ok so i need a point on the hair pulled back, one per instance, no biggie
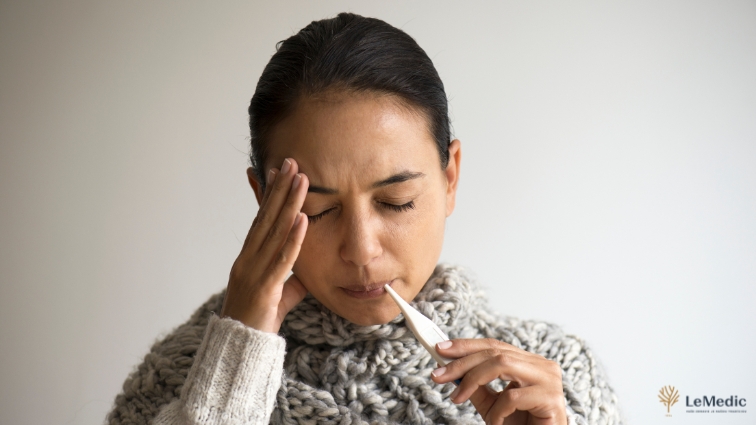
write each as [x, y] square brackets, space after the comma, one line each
[352, 53]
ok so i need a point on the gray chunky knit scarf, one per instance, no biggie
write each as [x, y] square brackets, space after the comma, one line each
[342, 373]
[336, 372]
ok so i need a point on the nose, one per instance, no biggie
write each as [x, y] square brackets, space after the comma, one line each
[360, 242]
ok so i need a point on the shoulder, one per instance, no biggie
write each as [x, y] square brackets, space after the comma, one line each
[161, 375]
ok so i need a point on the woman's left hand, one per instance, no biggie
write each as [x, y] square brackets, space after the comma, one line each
[534, 394]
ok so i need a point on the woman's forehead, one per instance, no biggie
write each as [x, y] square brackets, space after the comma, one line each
[352, 137]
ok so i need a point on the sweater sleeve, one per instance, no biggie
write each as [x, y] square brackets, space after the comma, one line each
[233, 380]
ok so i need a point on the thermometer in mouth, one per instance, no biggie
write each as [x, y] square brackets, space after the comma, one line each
[423, 328]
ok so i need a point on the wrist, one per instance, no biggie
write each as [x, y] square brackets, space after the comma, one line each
[254, 321]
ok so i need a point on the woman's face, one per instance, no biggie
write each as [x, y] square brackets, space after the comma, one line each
[377, 200]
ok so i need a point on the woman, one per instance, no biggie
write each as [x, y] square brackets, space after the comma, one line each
[355, 172]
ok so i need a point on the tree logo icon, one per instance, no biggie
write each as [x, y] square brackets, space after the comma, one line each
[668, 396]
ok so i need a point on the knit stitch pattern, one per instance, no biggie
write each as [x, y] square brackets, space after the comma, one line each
[336, 372]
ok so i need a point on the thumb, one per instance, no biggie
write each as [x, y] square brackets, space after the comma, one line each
[292, 294]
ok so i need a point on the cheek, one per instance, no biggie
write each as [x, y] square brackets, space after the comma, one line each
[420, 233]
[432, 216]
[311, 261]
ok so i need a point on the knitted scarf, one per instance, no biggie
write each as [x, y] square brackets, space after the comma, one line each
[341, 373]
[336, 372]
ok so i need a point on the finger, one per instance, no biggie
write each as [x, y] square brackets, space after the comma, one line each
[270, 180]
[271, 252]
[483, 398]
[536, 400]
[457, 348]
[287, 255]
[269, 212]
[271, 177]
[478, 377]
[502, 362]
[293, 293]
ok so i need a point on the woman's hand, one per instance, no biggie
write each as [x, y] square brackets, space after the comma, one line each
[534, 394]
[257, 294]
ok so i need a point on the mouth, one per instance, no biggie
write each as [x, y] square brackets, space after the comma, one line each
[373, 290]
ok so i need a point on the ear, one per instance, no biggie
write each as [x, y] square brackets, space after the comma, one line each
[255, 184]
[452, 174]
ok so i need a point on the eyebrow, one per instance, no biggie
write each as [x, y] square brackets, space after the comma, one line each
[396, 178]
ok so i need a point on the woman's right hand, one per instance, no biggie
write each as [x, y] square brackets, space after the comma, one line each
[258, 293]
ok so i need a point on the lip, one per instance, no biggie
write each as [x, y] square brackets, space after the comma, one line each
[374, 290]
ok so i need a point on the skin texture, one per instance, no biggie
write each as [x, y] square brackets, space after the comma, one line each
[356, 197]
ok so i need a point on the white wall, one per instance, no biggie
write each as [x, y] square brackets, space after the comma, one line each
[609, 181]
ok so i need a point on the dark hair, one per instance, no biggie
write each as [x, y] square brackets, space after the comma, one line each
[352, 53]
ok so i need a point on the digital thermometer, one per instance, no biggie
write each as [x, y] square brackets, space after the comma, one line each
[423, 328]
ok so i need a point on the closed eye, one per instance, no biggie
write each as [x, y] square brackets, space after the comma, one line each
[393, 207]
[399, 208]
[316, 217]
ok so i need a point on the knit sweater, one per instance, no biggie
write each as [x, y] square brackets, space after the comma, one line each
[321, 368]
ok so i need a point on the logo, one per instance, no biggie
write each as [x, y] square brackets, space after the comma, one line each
[668, 396]
[702, 404]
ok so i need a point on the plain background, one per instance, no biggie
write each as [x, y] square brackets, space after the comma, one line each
[608, 181]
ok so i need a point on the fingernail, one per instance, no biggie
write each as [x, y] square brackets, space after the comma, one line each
[271, 176]
[438, 372]
[454, 394]
[298, 219]
[444, 344]
[286, 166]
[297, 180]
